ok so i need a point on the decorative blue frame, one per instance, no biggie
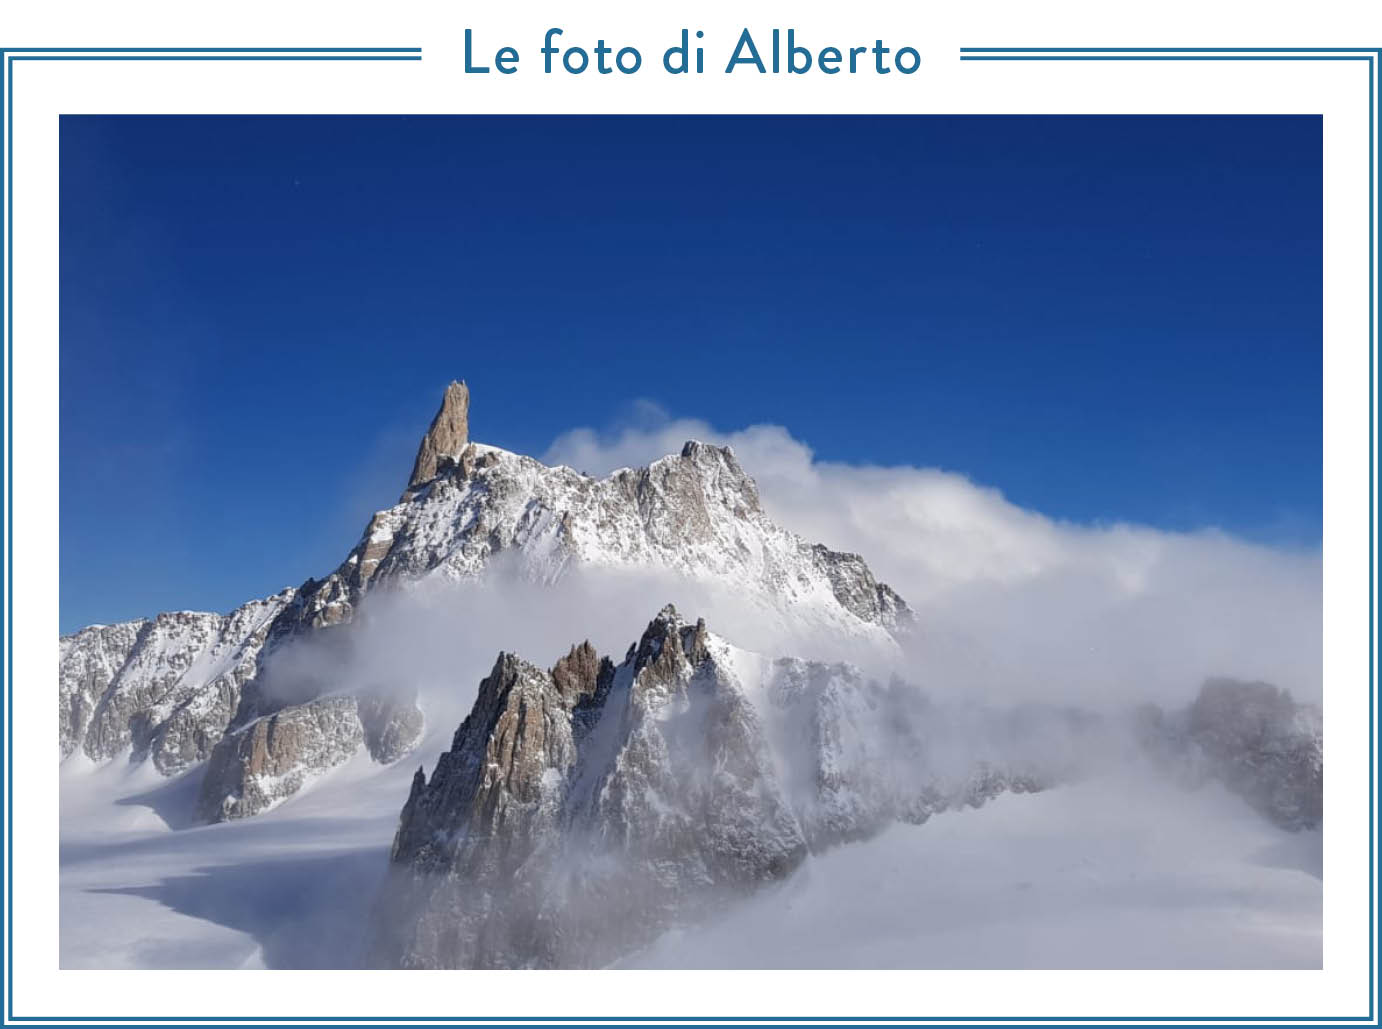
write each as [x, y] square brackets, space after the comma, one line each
[1370, 55]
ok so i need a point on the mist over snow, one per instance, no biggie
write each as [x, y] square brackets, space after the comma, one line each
[1111, 864]
[1012, 604]
[1117, 872]
[437, 639]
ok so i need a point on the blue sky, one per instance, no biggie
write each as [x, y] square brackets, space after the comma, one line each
[1109, 319]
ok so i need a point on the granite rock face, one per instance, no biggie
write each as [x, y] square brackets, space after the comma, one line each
[446, 437]
[695, 514]
[585, 809]
[88, 662]
[392, 726]
[257, 765]
[162, 689]
[267, 761]
[858, 592]
[580, 810]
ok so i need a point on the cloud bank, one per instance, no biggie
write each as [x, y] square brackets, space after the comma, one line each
[1012, 604]
[1119, 869]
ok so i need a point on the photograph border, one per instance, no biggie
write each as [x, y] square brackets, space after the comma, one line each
[967, 54]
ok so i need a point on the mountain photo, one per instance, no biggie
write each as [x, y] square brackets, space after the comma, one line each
[742, 542]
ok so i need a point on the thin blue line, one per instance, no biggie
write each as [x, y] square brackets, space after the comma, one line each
[1151, 57]
[218, 57]
[683, 1019]
[211, 49]
[1167, 49]
[9, 531]
[10, 571]
[1372, 525]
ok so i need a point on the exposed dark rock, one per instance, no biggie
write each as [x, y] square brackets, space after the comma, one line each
[169, 690]
[1252, 737]
[392, 726]
[88, 662]
[859, 592]
[262, 763]
[447, 435]
[164, 688]
[583, 810]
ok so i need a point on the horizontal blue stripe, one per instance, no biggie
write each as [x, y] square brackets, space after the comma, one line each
[1167, 49]
[695, 1018]
[217, 57]
[1148, 57]
[212, 49]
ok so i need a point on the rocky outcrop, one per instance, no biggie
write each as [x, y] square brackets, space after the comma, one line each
[1254, 739]
[695, 514]
[176, 688]
[858, 592]
[164, 688]
[446, 437]
[582, 810]
[267, 761]
[88, 662]
[860, 754]
[261, 763]
[392, 726]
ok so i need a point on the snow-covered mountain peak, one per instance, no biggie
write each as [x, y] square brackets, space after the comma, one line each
[695, 514]
[581, 810]
[691, 517]
[667, 643]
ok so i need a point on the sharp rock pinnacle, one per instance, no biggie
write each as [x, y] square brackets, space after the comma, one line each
[447, 436]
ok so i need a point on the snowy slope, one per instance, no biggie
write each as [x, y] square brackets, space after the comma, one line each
[1071, 878]
[582, 810]
[766, 803]
[1106, 874]
[164, 688]
[143, 884]
[696, 514]
[172, 688]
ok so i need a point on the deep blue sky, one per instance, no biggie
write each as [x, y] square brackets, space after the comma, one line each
[1106, 318]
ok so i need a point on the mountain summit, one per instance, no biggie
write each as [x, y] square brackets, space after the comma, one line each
[446, 437]
[188, 687]
[583, 809]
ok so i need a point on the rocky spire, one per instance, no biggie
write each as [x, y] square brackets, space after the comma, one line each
[449, 432]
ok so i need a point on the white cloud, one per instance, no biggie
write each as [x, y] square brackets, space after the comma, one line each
[1110, 873]
[1121, 870]
[1012, 603]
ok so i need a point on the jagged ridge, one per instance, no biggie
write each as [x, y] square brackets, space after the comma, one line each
[582, 810]
[175, 688]
[164, 688]
[696, 514]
